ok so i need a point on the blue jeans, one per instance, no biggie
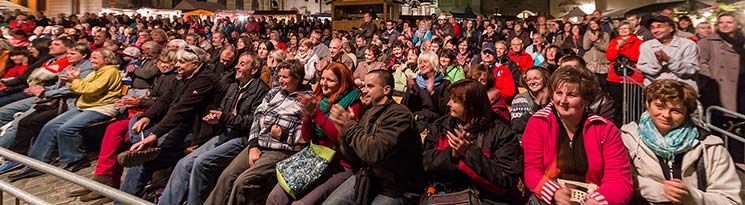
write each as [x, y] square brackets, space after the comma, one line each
[7, 111]
[194, 176]
[135, 137]
[344, 195]
[7, 99]
[8, 136]
[62, 133]
[172, 149]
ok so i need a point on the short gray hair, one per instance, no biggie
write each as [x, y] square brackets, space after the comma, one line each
[191, 54]
[180, 43]
[432, 58]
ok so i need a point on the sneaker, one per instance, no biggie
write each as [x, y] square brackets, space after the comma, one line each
[134, 158]
[9, 166]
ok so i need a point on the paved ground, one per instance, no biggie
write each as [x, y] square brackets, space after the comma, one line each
[49, 188]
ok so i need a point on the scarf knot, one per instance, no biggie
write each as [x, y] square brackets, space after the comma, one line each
[678, 140]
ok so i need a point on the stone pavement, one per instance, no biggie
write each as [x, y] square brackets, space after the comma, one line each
[50, 188]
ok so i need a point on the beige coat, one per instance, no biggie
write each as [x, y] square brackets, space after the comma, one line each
[719, 61]
[595, 52]
[724, 184]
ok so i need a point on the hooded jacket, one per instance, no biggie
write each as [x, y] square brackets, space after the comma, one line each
[607, 159]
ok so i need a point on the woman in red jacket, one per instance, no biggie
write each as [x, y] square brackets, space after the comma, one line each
[335, 87]
[624, 49]
[564, 141]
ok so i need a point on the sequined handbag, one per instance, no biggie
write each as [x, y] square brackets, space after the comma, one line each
[299, 172]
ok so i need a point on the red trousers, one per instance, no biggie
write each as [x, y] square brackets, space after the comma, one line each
[114, 142]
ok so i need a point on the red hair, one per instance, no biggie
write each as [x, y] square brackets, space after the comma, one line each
[344, 76]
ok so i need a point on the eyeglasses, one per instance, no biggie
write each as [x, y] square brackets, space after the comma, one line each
[188, 49]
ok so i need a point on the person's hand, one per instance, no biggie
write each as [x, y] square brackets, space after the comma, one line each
[276, 131]
[149, 140]
[320, 65]
[131, 68]
[675, 190]
[563, 196]
[341, 117]
[140, 124]
[253, 154]
[459, 141]
[411, 83]
[34, 90]
[662, 56]
[308, 104]
[593, 36]
[213, 117]
[128, 102]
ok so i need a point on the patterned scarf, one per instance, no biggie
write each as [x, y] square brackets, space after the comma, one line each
[678, 140]
[345, 100]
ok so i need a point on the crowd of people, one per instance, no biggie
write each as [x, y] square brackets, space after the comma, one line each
[429, 111]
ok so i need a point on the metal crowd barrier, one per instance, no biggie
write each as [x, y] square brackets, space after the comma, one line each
[107, 191]
[727, 134]
[633, 97]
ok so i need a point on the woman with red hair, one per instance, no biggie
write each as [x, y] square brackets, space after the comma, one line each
[335, 87]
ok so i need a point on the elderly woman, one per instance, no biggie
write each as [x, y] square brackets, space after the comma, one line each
[471, 149]
[528, 103]
[335, 87]
[108, 171]
[673, 160]
[623, 53]
[554, 162]
[427, 95]
[98, 91]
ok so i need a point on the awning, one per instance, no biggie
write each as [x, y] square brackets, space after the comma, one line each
[576, 12]
[655, 7]
[199, 12]
[10, 6]
[190, 5]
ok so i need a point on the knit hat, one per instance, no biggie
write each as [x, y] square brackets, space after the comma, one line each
[132, 51]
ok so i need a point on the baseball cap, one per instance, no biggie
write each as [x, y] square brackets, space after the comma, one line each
[662, 19]
[132, 51]
[488, 46]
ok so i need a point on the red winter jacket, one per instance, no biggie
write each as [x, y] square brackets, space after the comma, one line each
[522, 59]
[608, 161]
[504, 82]
[27, 26]
[631, 50]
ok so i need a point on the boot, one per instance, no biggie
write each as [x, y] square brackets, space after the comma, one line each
[107, 180]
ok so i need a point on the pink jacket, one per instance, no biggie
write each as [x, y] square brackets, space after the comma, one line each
[608, 160]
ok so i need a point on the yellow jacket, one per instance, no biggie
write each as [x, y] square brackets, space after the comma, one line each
[101, 87]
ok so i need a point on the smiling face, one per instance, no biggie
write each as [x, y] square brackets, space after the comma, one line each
[444, 61]
[534, 80]
[329, 83]
[97, 60]
[425, 67]
[185, 68]
[244, 69]
[661, 30]
[287, 82]
[369, 56]
[19, 59]
[568, 101]
[666, 116]
[373, 92]
[727, 24]
[57, 48]
[624, 30]
[164, 65]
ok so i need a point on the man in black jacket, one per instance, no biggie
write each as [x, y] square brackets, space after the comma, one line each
[178, 114]
[383, 143]
[193, 176]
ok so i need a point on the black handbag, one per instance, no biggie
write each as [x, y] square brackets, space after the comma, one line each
[624, 66]
[46, 104]
[465, 197]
